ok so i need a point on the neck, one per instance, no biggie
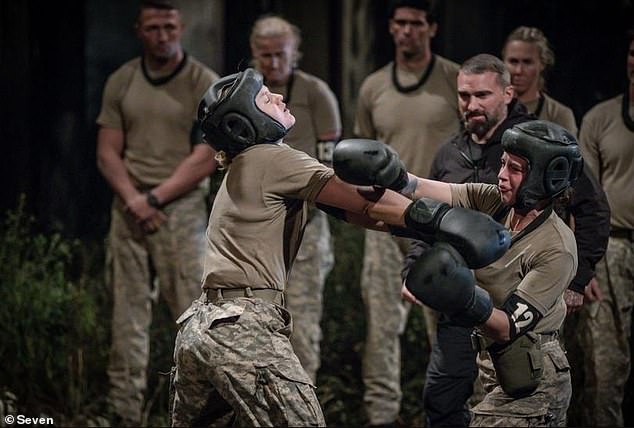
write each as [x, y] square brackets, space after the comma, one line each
[520, 220]
[163, 65]
[528, 96]
[413, 62]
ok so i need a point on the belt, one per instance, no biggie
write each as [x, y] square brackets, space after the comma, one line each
[268, 294]
[622, 234]
[480, 343]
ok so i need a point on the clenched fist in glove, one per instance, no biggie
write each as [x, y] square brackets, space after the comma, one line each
[366, 162]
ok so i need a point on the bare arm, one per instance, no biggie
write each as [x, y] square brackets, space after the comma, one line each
[199, 164]
[373, 209]
[497, 326]
[110, 144]
[426, 188]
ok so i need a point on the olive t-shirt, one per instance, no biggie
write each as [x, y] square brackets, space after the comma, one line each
[259, 215]
[607, 145]
[415, 124]
[554, 111]
[157, 118]
[538, 267]
[315, 109]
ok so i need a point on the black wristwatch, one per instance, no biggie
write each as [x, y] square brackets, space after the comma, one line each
[152, 200]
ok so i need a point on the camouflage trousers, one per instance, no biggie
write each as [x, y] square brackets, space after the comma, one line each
[386, 317]
[139, 267]
[547, 406]
[304, 291]
[604, 334]
[235, 366]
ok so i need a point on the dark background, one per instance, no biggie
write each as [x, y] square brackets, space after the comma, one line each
[55, 57]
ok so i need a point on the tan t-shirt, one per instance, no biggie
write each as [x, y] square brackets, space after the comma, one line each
[315, 108]
[258, 217]
[608, 150]
[415, 124]
[556, 112]
[157, 119]
[538, 267]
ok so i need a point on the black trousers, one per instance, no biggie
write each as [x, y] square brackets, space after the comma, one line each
[451, 371]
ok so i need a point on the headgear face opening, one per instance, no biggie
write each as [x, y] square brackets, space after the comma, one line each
[230, 119]
[554, 160]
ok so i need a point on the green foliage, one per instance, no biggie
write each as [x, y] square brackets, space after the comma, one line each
[340, 388]
[49, 340]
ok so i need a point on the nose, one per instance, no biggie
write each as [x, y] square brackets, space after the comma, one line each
[472, 104]
[162, 34]
[279, 99]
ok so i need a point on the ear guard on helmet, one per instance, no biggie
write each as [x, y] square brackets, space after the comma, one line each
[554, 160]
[229, 117]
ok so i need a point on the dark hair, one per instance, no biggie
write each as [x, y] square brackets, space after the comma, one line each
[482, 63]
[157, 4]
[424, 5]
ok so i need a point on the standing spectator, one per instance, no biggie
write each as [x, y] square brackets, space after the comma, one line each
[421, 87]
[158, 174]
[528, 56]
[607, 141]
[235, 365]
[275, 49]
[473, 156]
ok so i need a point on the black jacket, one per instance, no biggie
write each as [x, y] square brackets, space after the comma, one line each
[460, 160]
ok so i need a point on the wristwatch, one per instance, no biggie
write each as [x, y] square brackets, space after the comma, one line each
[152, 200]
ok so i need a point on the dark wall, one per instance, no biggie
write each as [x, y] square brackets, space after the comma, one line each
[587, 36]
[57, 55]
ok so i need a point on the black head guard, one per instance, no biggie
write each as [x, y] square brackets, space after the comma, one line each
[229, 117]
[554, 160]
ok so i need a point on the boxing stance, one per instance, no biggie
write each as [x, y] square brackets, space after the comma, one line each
[234, 363]
[519, 307]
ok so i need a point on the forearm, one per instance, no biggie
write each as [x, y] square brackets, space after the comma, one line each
[425, 188]
[364, 205]
[187, 175]
[111, 166]
[497, 326]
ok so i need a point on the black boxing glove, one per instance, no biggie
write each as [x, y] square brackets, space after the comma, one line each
[366, 162]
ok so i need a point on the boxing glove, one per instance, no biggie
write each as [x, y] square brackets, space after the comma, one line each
[477, 237]
[366, 162]
[441, 280]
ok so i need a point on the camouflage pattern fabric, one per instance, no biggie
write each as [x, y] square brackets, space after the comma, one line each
[175, 251]
[604, 335]
[546, 406]
[304, 291]
[235, 366]
[386, 318]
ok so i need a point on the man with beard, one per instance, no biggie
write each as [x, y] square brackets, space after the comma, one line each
[421, 86]
[488, 108]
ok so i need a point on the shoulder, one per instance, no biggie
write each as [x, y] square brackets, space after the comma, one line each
[378, 77]
[126, 70]
[607, 107]
[201, 71]
[313, 84]
[556, 104]
[447, 65]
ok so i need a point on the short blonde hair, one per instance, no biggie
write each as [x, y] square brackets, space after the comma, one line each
[275, 26]
[535, 36]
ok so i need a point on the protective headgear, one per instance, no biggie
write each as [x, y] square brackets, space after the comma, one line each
[554, 160]
[230, 119]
